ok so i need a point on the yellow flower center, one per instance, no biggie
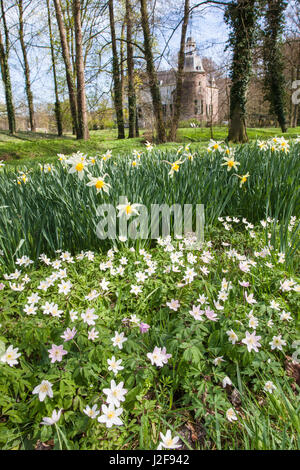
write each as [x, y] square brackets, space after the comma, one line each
[79, 167]
[230, 163]
[216, 146]
[99, 184]
[111, 415]
[128, 209]
[175, 167]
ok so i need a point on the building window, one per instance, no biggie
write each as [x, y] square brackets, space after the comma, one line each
[201, 106]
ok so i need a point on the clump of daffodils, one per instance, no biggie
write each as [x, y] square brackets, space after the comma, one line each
[47, 168]
[275, 144]
[23, 177]
[106, 156]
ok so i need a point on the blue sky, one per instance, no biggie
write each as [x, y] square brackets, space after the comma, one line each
[207, 28]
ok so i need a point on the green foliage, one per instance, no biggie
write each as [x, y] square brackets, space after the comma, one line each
[186, 393]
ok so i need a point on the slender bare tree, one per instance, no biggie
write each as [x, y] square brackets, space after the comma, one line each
[28, 90]
[68, 65]
[57, 105]
[83, 130]
[179, 74]
[118, 98]
[5, 73]
[152, 75]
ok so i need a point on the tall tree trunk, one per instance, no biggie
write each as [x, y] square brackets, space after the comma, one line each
[179, 75]
[67, 62]
[26, 68]
[274, 82]
[122, 59]
[152, 75]
[118, 98]
[83, 130]
[137, 132]
[130, 73]
[57, 107]
[5, 73]
[241, 15]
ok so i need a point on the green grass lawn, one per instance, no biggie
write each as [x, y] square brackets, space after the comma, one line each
[35, 147]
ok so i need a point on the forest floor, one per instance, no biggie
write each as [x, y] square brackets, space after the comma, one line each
[41, 148]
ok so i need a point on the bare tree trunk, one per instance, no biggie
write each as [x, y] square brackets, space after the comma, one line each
[130, 73]
[5, 73]
[26, 68]
[57, 108]
[179, 75]
[296, 109]
[122, 60]
[83, 130]
[237, 130]
[67, 62]
[118, 98]
[241, 15]
[137, 132]
[152, 75]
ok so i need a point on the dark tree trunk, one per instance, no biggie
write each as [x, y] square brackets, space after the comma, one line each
[130, 73]
[57, 107]
[122, 60]
[68, 66]
[241, 15]
[237, 130]
[5, 73]
[137, 133]
[179, 75]
[83, 130]
[26, 68]
[152, 75]
[118, 98]
[274, 76]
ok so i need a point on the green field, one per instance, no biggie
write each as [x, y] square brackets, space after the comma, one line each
[30, 147]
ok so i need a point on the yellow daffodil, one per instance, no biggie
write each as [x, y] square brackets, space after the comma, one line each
[230, 162]
[99, 183]
[174, 166]
[243, 179]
